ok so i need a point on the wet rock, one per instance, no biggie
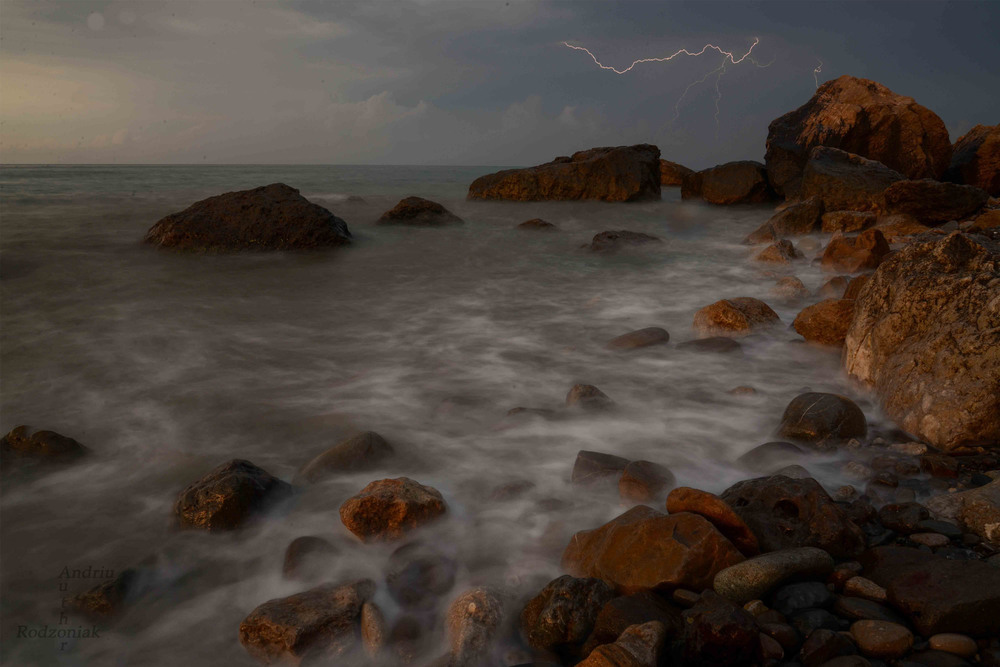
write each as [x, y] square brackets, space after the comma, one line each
[928, 318]
[809, 621]
[847, 661]
[321, 623]
[935, 659]
[417, 574]
[588, 398]
[846, 221]
[864, 588]
[672, 174]
[825, 322]
[639, 338]
[643, 549]
[769, 456]
[854, 287]
[861, 253]
[938, 465]
[740, 316]
[638, 646]
[374, 632]
[845, 181]
[794, 598]
[823, 645]
[932, 202]
[770, 649]
[308, 557]
[712, 344]
[228, 496]
[561, 617]
[717, 632]
[755, 577]
[960, 645]
[743, 182]
[619, 614]
[834, 288]
[797, 219]
[818, 418]
[595, 467]
[858, 609]
[787, 513]
[979, 512]
[20, 446]
[863, 117]
[418, 211]
[613, 241]
[713, 508]
[473, 621]
[880, 639]
[904, 518]
[975, 159]
[986, 222]
[109, 598]
[273, 217]
[363, 451]
[938, 594]
[789, 288]
[537, 224]
[900, 228]
[387, 509]
[642, 481]
[933, 540]
[779, 252]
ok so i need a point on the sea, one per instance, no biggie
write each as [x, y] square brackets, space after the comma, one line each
[168, 364]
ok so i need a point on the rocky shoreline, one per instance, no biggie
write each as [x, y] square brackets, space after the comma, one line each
[901, 567]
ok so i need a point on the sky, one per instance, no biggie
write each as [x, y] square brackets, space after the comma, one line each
[432, 82]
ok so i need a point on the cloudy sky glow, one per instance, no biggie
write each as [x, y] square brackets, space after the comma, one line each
[441, 82]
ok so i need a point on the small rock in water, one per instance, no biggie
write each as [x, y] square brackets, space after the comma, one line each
[613, 241]
[834, 288]
[473, 621]
[308, 557]
[639, 338]
[816, 417]
[373, 629]
[779, 252]
[419, 211]
[387, 509]
[588, 398]
[740, 316]
[769, 456]
[359, 452]
[713, 344]
[228, 496]
[417, 574]
[591, 467]
[789, 288]
[42, 446]
[742, 390]
[642, 481]
[537, 224]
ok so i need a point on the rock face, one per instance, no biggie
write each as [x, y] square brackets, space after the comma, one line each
[926, 337]
[734, 317]
[672, 174]
[975, 159]
[845, 181]
[786, 513]
[817, 417]
[861, 253]
[359, 452]
[389, 508]
[932, 202]
[227, 496]
[861, 117]
[562, 615]
[20, 445]
[643, 549]
[273, 217]
[622, 173]
[825, 322]
[613, 241]
[419, 211]
[321, 623]
[743, 182]
[798, 218]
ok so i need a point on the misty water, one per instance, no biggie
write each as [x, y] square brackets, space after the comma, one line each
[168, 364]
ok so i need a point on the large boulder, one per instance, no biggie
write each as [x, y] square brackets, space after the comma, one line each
[743, 182]
[926, 338]
[622, 173]
[861, 117]
[672, 174]
[228, 496]
[272, 217]
[387, 509]
[845, 181]
[786, 513]
[643, 549]
[795, 219]
[739, 316]
[932, 202]
[975, 159]
[419, 212]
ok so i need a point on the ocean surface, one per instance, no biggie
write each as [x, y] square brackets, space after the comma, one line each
[166, 365]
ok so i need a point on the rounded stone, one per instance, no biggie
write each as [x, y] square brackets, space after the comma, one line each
[753, 578]
[950, 642]
[932, 540]
[881, 639]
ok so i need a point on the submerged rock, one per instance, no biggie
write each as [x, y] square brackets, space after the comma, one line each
[743, 182]
[779, 252]
[419, 573]
[712, 345]
[926, 338]
[358, 452]
[228, 496]
[472, 621]
[419, 211]
[537, 224]
[273, 217]
[308, 557]
[817, 418]
[613, 241]
[975, 159]
[588, 398]
[845, 181]
[639, 338]
[562, 615]
[593, 467]
[740, 316]
[770, 456]
[643, 481]
[618, 174]
[21, 446]
[387, 509]
[790, 288]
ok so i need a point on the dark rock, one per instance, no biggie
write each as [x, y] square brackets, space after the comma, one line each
[642, 481]
[387, 509]
[715, 509]
[639, 645]
[639, 338]
[845, 181]
[740, 316]
[786, 513]
[785, 635]
[619, 614]
[975, 159]
[613, 241]
[939, 465]
[769, 456]
[900, 227]
[562, 615]
[904, 518]
[273, 217]
[591, 467]
[359, 452]
[108, 599]
[882, 639]
[925, 319]
[809, 621]
[419, 211]
[374, 633]
[473, 621]
[46, 447]
[717, 632]
[796, 219]
[537, 224]
[790, 288]
[933, 203]
[861, 253]
[308, 557]
[743, 182]
[848, 661]
[846, 221]
[417, 574]
[779, 252]
[859, 609]
[817, 418]
[228, 496]
[588, 398]
[622, 173]
[673, 174]
[935, 659]
[321, 623]
[712, 344]
[755, 577]
[823, 645]
[795, 598]
[863, 117]
[825, 322]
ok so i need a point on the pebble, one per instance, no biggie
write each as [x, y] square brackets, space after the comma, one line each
[770, 649]
[685, 598]
[950, 642]
[932, 540]
[800, 597]
[864, 588]
[946, 528]
[755, 607]
[881, 639]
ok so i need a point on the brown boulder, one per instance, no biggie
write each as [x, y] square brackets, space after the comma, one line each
[639, 646]
[673, 174]
[537, 224]
[639, 338]
[847, 221]
[975, 159]
[819, 418]
[273, 217]
[845, 181]
[613, 241]
[932, 202]
[862, 117]
[825, 322]
[719, 633]
[622, 173]
[794, 220]
[643, 549]
[715, 509]
[740, 316]
[987, 220]
[359, 452]
[899, 227]
[743, 182]
[786, 513]
[863, 252]
[473, 620]
[387, 509]
[321, 623]
[779, 252]
[418, 211]
[21, 446]
[228, 496]
[562, 615]
[623, 612]
[591, 467]
[926, 338]
[789, 288]
[643, 481]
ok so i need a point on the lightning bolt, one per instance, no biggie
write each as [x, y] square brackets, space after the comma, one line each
[817, 71]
